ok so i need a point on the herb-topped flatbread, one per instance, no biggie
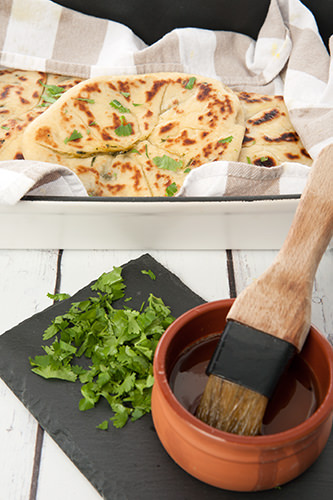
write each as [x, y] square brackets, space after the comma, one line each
[24, 95]
[270, 138]
[138, 134]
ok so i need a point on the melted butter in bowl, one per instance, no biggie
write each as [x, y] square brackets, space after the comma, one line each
[295, 398]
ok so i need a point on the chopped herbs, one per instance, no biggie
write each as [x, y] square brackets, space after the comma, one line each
[226, 139]
[90, 101]
[248, 159]
[167, 163]
[149, 273]
[73, 137]
[171, 190]
[146, 150]
[125, 94]
[190, 84]
[263, 159]
[124, 129]
[118, 344]
[117, 105]
[187, 170]
[52, 93]
[136, 104]
[4, 127]
[92, 123]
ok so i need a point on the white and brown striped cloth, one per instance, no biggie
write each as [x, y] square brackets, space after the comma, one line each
[288, 57]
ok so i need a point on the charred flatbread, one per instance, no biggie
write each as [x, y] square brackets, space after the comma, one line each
[141, 133]
[270, 138]
[24, 95]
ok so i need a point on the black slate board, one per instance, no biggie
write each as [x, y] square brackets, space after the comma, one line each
[128, 463]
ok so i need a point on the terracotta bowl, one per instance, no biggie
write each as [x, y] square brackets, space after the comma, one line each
[225, 460]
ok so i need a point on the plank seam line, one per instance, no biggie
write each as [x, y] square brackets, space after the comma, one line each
[231, 275]
[40, 431]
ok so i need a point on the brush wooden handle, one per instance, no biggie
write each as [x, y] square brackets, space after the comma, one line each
[279, 302]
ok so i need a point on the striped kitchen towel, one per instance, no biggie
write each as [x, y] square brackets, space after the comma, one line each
[288, 58]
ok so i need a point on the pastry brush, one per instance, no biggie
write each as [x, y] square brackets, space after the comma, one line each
[269, 321]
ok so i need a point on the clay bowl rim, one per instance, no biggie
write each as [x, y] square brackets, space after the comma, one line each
[298, 432]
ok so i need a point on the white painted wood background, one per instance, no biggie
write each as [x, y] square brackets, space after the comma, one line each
[26, 278]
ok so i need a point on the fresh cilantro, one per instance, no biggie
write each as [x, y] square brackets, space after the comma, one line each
[149, 273]
[124, 129]
[263, 159]
[248, 159]
[58, 296]
[125, 94]
[226, 139]
[167, 163]
[190, 84]
[187, 170]
[136, 104]
[92, 123]
[73, 137]
[119, 343]
[52, 93]
[103, 425]
[4, 127]
[117, 105]
[146, 150]
[90, 101]
[171, 190]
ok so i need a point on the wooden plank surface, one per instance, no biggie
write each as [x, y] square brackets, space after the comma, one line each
[32, 466]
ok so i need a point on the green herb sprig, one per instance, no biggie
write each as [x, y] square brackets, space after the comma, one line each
[167, 163]
[52, 93]
[119, 345]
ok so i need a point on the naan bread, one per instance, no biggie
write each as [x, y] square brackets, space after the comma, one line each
[270, 139]
[138, 135]
[24, 95]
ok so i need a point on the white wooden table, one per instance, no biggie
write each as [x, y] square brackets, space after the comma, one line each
[32, 466]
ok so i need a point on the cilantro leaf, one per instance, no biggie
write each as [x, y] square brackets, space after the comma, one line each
[58, 296]
[117, 105]
[90, 101]
[103, 425]
[226, 139]
[150, 273]
[190, 83]
[171, 190]
[73, 137]
[124, 129]
[167, 163]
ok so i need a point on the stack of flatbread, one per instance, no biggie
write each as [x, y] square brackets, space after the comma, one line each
[140, 135]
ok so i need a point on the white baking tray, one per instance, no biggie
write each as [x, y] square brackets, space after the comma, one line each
[140, 223]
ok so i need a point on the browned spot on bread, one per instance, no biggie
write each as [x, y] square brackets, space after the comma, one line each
[266, 161]
[43, 134]
[252, 98]
[204, 91]
[92, 87]
[290, 156]
[285, 137]
[266, 117]
[5, 91]
[166, 128]
[150, 94]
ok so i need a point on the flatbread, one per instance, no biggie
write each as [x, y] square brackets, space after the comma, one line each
[270, 138]
[155, 127]
[24, 95]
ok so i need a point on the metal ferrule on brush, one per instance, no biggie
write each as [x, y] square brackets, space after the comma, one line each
[250, 358]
